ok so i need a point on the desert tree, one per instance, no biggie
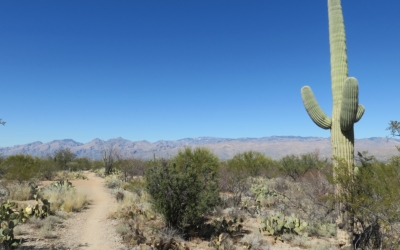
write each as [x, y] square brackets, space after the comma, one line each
[394, 128]
[63, 156]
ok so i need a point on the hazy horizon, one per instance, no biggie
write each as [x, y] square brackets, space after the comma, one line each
[191, 138]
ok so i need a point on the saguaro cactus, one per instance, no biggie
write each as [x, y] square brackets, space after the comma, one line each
[346, 110]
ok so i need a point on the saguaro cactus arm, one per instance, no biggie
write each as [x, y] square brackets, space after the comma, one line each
[349, 105]
[313, 109]
[360, 112]
[350, 111]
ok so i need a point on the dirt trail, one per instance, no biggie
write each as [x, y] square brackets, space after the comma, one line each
[90, 229]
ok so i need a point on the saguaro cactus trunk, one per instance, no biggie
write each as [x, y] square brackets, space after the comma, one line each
[346, 111]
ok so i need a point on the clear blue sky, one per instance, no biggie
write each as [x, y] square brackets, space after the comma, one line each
[167, 70]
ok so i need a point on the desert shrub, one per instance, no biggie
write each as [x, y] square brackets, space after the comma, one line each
[323, 246]
[223, 241]
[371, 195]
[47, 169]
[20, 168]
[136, 186]
[68, 175]
[223, 182]
[4, 192]
[36, 222]
[73, 166]
[185, 188]
[78, 164]
[48, 225]
[295, 166]
[65, 199]
[233, 181]
[119, 196]
[99, 172]
[122, 229]
[83, 163]
[308, 197]
[20, 231]
[113, 181]
[235, 172]
[255, 241]
[46, 231]
[96, 166]
[167, 233]
[322, 229]
[63, 156]
[21, 192]
[130, 202]
[130, 167]
[65, 175]
[300, 241]
[251, 163]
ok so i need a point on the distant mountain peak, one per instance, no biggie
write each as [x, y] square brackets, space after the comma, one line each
[225, 148]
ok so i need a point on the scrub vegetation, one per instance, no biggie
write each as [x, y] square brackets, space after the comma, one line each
[196, 201]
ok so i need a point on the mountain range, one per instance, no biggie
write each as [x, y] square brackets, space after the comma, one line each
[225, 148]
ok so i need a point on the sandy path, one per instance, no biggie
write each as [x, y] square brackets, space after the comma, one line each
[90, 229]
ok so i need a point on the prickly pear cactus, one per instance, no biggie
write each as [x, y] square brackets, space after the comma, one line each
[227, 226]
[63, 184]
[279, 224]
[9, 218]
[346, 110]
[42, 207]
[261, 192]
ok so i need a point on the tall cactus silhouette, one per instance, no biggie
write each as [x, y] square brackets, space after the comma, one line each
[346, 111]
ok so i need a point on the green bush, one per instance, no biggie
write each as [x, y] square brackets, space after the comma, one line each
[47, 169]
[250, 163]
[96, 165]
[64, 156]
[130, 167]
[135, 186]
[235, 172]
[296, 166]
[185, 188]
[20, 168]
[83, 163]
[371, 194]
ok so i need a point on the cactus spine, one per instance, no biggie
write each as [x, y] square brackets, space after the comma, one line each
[346, 110]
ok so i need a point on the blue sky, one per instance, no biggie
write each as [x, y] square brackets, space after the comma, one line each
[167, 70]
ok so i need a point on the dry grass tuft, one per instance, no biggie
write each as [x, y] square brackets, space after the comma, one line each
[19, 231]
[122, 229]
[70, 175]
[68, 200]
[20, 192]
[255, 241]
[113, 181]
[48, 227]
[300, 242]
